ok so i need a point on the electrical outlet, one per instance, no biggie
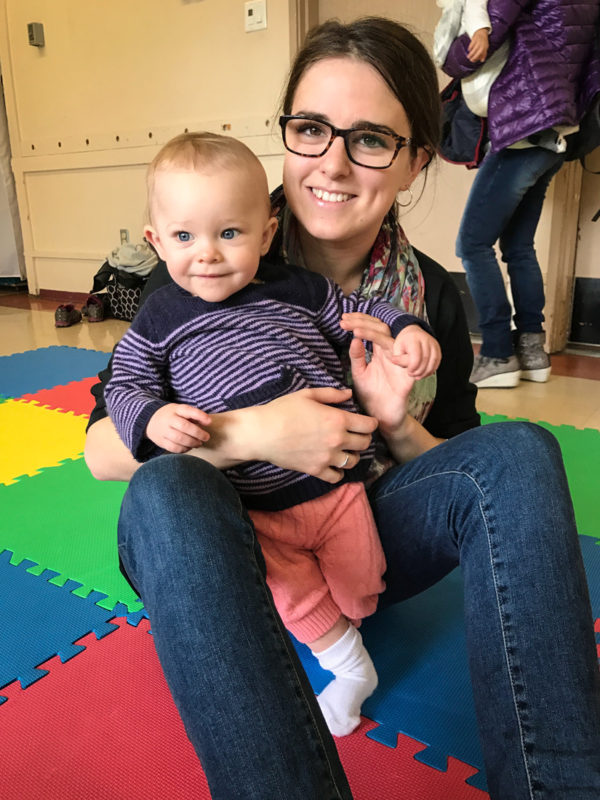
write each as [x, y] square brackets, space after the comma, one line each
[255, 15]
[124, 236]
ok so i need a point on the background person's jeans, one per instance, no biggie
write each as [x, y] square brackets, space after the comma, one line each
[505, 204]
[494, 499]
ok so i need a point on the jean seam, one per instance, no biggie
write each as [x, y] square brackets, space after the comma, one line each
[298, 686]
[495, 580]
[503, 627]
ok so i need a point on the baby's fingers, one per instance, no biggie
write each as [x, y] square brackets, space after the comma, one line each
[192, 413]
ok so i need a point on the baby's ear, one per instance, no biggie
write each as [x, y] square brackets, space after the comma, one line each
[152, 237]
[268, 234]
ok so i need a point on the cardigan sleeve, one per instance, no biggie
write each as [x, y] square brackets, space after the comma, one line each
[453, 409]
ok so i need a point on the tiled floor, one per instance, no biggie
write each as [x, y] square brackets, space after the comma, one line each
[571, 396]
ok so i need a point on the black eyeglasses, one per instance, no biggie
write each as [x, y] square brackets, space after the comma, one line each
[371, 147]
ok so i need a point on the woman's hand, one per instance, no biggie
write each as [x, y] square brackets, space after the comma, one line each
[383, 389]
[304, 431]
[381, 385]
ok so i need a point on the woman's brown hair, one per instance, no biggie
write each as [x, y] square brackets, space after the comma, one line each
[395, 53]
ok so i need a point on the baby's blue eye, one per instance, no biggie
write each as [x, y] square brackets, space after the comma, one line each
[184, 236]
[230, 233]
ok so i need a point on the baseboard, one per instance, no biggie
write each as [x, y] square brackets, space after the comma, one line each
[77, 298]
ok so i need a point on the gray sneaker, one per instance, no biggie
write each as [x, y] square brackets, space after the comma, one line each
[495, 373]
[534, 360]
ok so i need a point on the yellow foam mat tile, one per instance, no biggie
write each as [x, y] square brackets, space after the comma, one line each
[33, 437]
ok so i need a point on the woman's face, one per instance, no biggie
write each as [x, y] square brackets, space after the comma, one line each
[347, 93]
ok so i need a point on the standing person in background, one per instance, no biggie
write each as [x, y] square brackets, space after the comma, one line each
[538, 99]
[493, 499]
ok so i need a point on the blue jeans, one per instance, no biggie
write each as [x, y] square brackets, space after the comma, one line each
[494, 500]
[505, 205]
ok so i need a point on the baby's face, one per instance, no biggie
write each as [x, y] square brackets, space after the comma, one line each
[211, 228]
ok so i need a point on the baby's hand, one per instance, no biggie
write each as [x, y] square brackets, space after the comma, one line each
[417, 351]
[176, 427]
[478, 47]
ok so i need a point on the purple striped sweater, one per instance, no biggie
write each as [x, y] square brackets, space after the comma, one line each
[273, 337]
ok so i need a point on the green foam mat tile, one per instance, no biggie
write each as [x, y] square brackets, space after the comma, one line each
[66, 521]
[581, 454]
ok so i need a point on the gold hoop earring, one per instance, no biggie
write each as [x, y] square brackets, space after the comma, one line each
[406, 205]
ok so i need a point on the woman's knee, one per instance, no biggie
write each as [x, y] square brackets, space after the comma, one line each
[175, 493]
[520, 451]
[179, 509]
[171, 477]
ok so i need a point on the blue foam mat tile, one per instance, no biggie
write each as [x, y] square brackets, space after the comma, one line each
[46, 367]
[40, 620]
[424, 686]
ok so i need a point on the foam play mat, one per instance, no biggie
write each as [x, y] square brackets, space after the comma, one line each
[84, 708]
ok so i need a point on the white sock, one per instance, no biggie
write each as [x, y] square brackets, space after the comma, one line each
[355, 680]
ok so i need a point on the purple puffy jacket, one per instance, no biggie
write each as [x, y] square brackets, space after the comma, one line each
[553, 68]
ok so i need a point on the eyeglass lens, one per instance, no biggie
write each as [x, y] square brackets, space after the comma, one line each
[309, 137]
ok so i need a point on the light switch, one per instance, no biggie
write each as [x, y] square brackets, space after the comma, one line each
[255, 15]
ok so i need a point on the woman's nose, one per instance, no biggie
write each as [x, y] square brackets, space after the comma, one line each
[335, 162]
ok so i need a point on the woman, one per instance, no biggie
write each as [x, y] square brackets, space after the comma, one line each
[493, 499]
[537, 100]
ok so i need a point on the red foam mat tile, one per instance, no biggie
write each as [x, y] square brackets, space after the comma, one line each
[377, 772]
[74, 396]
[103, 726]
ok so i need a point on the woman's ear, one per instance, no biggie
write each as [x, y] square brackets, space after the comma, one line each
[420, 161]
[268, 234]
[151, 236]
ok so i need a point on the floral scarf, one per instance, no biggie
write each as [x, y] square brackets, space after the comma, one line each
[393, 274]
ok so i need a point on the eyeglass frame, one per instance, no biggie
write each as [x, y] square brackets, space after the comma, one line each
[401, 141]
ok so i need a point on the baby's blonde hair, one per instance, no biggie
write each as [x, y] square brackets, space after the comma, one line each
[203, 151]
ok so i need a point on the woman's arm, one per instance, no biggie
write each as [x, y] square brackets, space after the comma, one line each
[303, 431]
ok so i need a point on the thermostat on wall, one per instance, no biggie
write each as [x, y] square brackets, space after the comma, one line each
[35, 32]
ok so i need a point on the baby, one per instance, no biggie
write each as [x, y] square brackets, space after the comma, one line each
[234, 330]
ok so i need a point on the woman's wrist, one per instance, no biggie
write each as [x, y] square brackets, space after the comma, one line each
[408, 440]
[233, 438]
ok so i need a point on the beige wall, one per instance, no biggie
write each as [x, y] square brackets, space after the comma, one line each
[115, 80]
[119, 77]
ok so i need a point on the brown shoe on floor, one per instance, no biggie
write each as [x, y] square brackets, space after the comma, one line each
[93, 308]
[66, 315]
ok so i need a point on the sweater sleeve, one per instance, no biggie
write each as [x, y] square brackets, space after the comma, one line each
[476, 16]
[158, 277]
[503, 15]
[336, 303]
[137, 387]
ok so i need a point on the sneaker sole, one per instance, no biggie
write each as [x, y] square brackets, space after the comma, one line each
[503, 380]
[537, 375]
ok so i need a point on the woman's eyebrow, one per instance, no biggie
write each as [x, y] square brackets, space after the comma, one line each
[365, 124]
[359, 124]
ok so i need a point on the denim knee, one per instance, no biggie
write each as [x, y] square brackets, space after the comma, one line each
[176, 496]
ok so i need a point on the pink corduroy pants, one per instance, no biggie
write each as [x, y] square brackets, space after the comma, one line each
[324, 559]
